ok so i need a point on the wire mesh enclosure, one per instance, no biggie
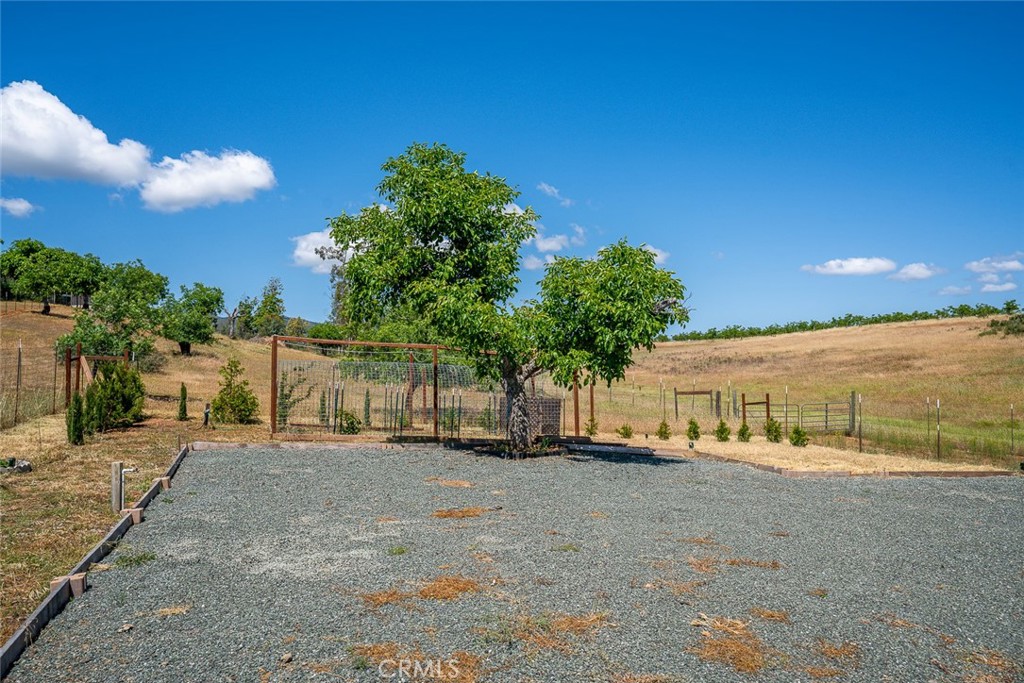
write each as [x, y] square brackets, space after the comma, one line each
[328, 388]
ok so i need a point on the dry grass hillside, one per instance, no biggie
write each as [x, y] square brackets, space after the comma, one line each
[896, 368]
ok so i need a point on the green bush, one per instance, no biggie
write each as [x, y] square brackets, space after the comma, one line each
[625, 431]
[183, 404]
[75, 421]
[114, 398]
[743, 434]
[693, 430]
[773, 430]
[348, 423]
[664, 431]
[590, 429]
[722, 431]
[235, 401]
[798, 437]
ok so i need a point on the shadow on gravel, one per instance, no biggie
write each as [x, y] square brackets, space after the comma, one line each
[627, 458]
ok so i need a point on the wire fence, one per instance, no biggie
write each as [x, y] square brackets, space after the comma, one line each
[31, 381]
[401, 390]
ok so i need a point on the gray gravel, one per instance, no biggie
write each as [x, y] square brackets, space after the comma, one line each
[267, 550]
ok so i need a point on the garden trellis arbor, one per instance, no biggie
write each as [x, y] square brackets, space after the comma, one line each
[323, 388]
[81, 365]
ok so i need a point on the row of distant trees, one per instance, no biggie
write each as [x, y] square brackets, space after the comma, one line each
[849, 320]
[126, 304]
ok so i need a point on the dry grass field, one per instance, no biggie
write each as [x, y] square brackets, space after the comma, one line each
[895, 368]
[51, 516]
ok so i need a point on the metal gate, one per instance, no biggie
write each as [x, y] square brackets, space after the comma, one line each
[827, 417]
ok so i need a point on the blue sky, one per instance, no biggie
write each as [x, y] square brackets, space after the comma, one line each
[787, 161]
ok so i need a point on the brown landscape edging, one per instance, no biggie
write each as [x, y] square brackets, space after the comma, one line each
[60, 589]
[829, 474]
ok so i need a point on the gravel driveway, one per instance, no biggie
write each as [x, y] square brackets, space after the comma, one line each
[365, 563]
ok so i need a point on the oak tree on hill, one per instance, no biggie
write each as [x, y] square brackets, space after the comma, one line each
[192, 318]
[32, 270]
[446, 242]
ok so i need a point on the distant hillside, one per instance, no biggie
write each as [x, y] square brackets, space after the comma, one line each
[850, 320]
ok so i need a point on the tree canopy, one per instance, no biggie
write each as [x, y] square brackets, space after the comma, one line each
[192, 318]
[32, 270]
[445, 243]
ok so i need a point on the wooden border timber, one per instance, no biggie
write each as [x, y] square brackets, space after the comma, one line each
[61, 588]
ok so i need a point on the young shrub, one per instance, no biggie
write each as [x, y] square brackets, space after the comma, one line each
[75, 420]
[348, 423]
[693, 430]
[722, 431]
[92, 409]
[743, 434]
[773, 430]
[625, 431]
[664, 431]
[235, 401]
[183, 404]
[591, 427]
[115, 398]
[322, 410]
[798, 437]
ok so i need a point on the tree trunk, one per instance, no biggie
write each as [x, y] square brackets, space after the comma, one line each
[46, 307]
[520, 429]
[186, 348]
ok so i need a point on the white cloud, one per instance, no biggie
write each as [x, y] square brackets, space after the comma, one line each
[955, 291]
[532, 262]
[197, 179]
[988, 278]
[305, 255]
[996, 265]
[552, 191]
[513, 208]
[917, 271]
[579, 235]
[853, 266]
[1005, 287]
[552, 243]
[17, 207]
[660, 255]
[43, 138]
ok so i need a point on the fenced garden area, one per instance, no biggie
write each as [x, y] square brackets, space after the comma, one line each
[324, 388]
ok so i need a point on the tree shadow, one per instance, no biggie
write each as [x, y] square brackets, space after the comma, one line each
[626, 458]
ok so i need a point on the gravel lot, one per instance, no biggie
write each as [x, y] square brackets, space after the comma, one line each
[263, 564]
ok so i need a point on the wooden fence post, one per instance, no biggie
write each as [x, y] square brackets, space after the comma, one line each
[744, 397]
[273, 385]
[576, 400]
[437, 430]
[67, 377]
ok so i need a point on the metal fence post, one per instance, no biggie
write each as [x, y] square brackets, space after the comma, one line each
[853, 412]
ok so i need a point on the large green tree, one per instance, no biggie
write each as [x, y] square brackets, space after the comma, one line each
[124, 311]
[192, 318]
[446, 241]
[32, 270]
